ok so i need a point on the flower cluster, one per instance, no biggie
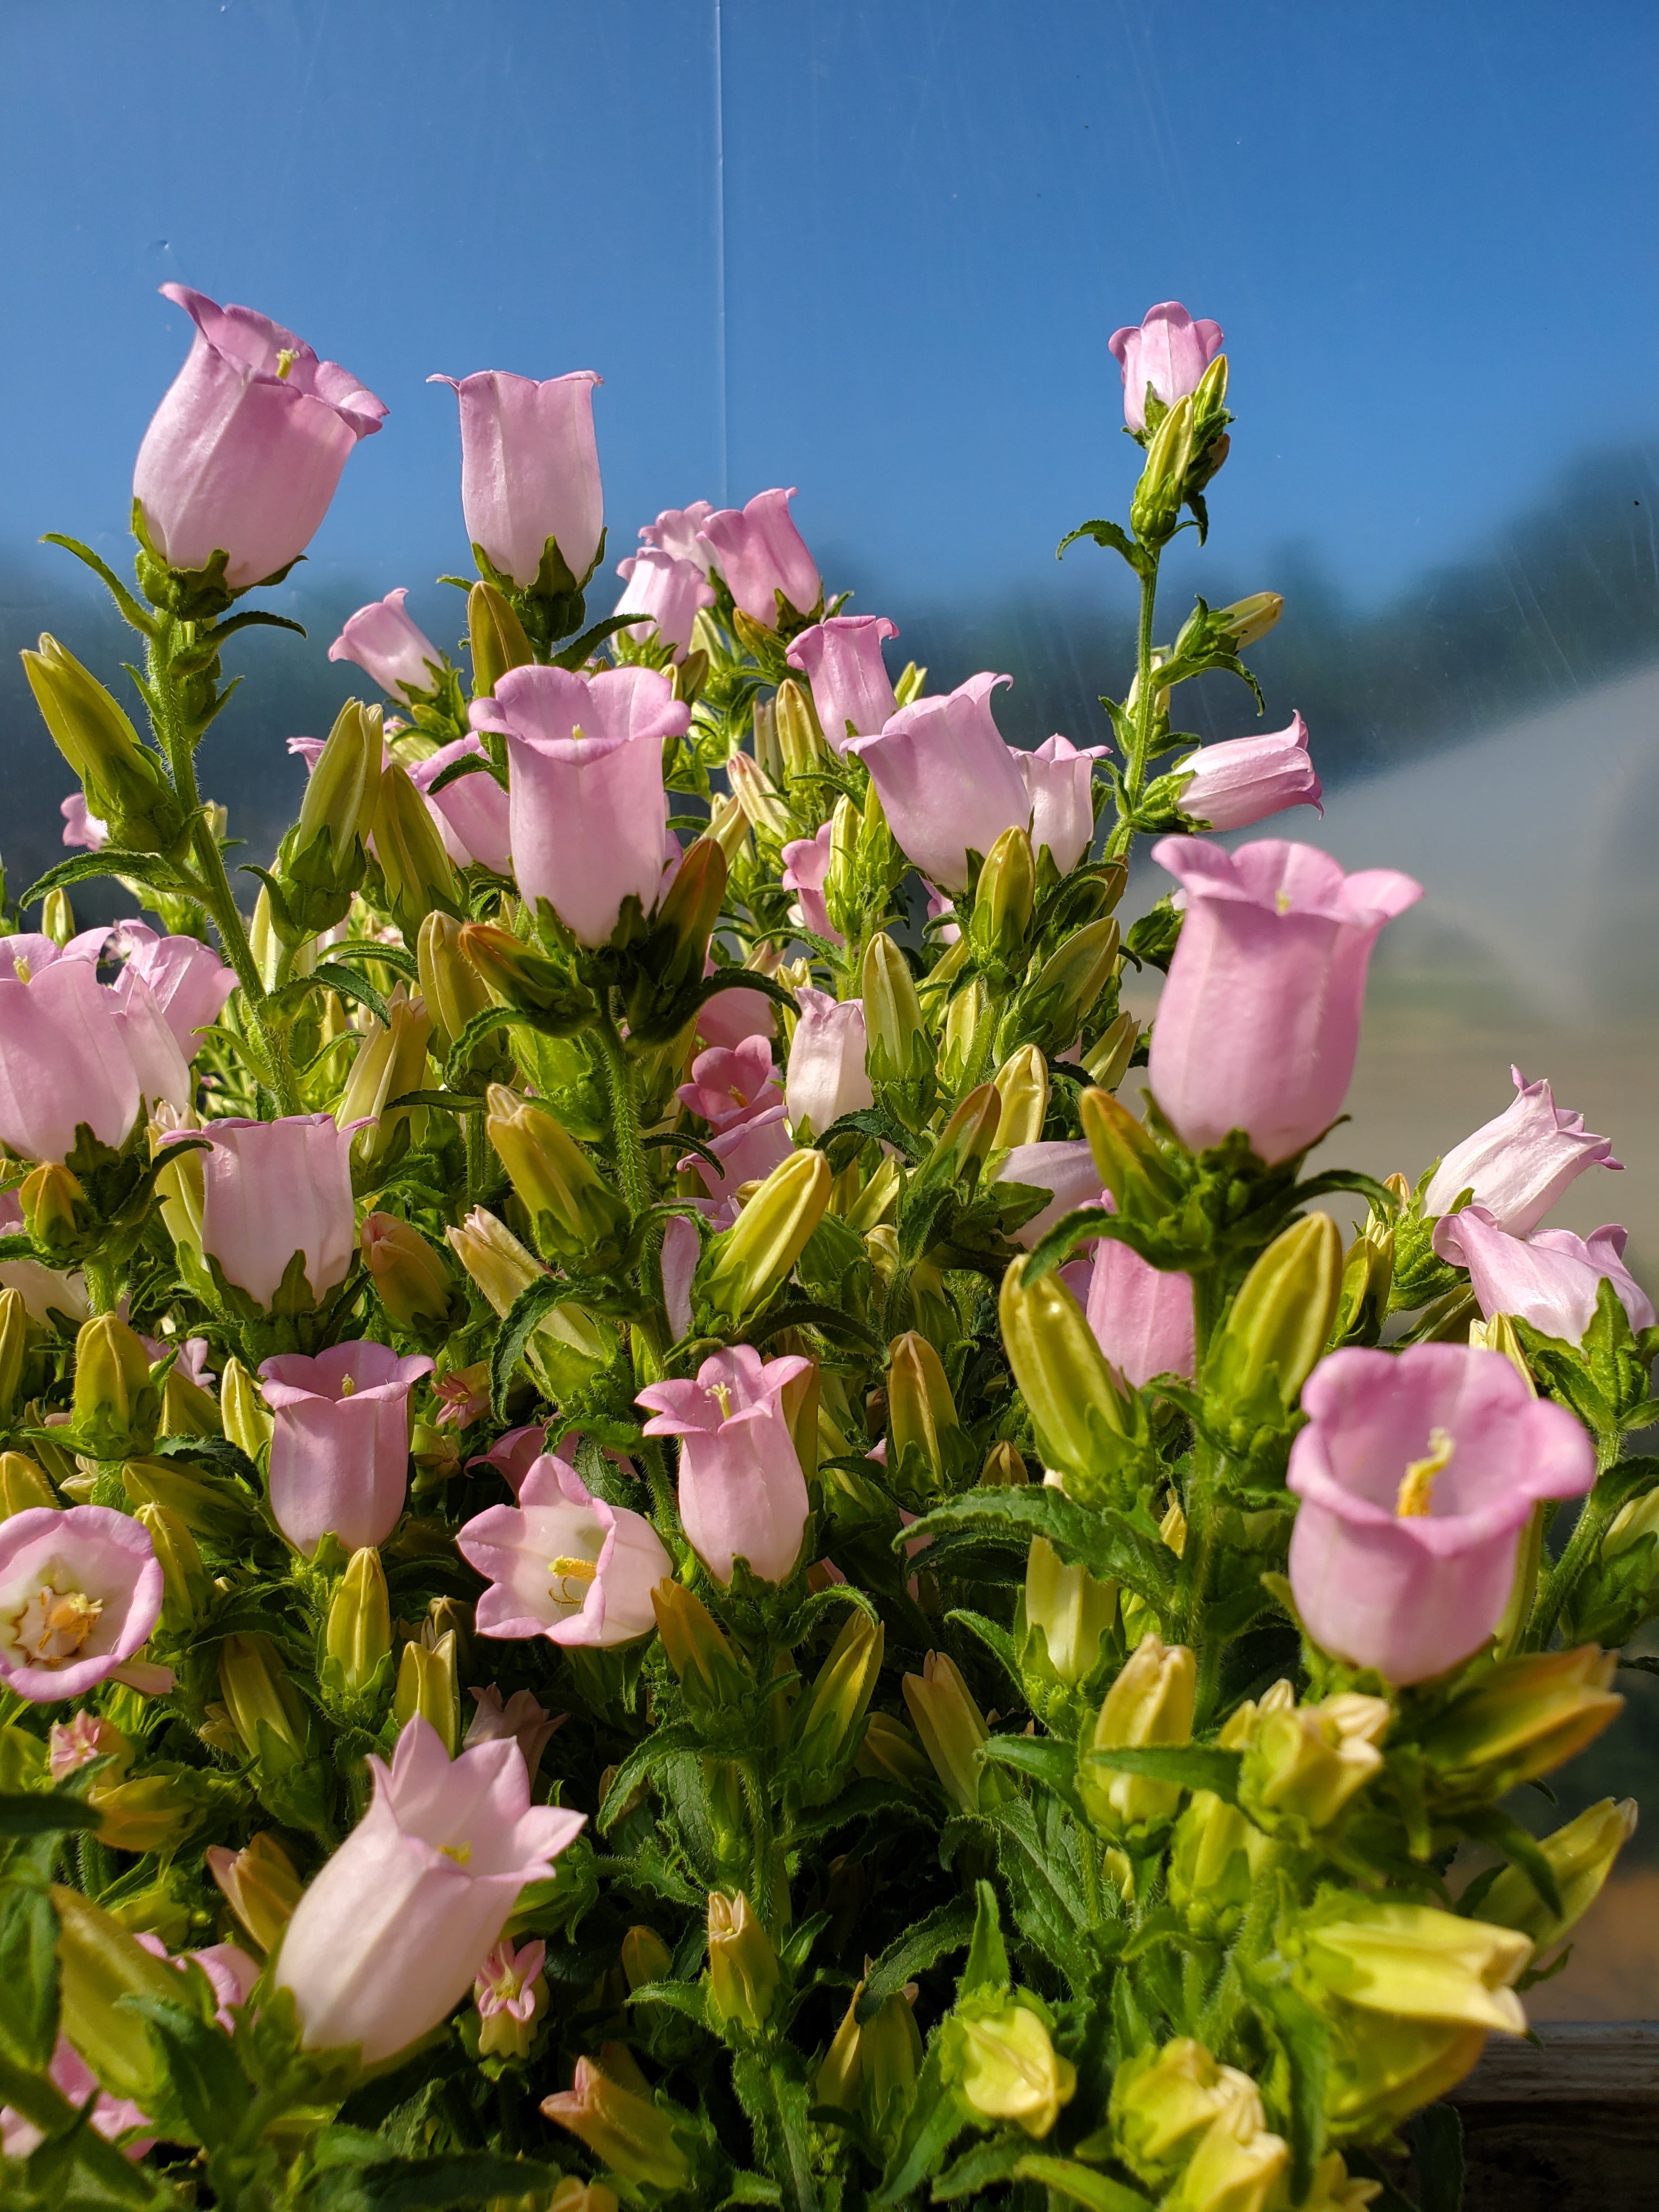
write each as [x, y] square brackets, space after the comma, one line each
[722, 1566]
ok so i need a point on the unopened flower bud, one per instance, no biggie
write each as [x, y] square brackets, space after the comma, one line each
[411, 1278]
[800, 742]
[260, 1884]
[221, 1511]
[891, 1753]
[56, 917]
[1084, 1425]
[100, 1963]
[840, 2074]
[762, 801]
[125, 785]
[513, 973]
[263, 1705]
[1307, 1763]
[1278, 1325]
[428, 1684]
[343, 788]
[450, 984]
[357, 1637]
[1131, 1166]
[925, 1442]
[23, 1487]
[645, 1957]
[1149, 1703]
[1156, 507]
[1007, 2069]
[1165, 2102]
[57, 1211]
[1005, 1467]
[579, 1218]
[1004, 899]
[1107, 1061]
[1234, 629]
[418, 872]
[1072, 1611]
[898, 1053]
[568, 1347]
[497, 638]
[247, 1421]
[390, 1061]
[178, 1187]
[117, 1406]
[829, 1721]
[707, 1666]
[15, 1333]
[188, 1410]
[1581, 1856]
[145, 1812]
[1367, 1279]
[890, 2059]
[1052, 1008]
[683, 923]
[728, 825]
[742, 1966]
[630, 2134]
[1230, 2172]
[1022, 1083]
[187, 1586]
[965, 1042]
[1413, 1961]
[1522, 1718]
[952, 1730]
[743, 1269]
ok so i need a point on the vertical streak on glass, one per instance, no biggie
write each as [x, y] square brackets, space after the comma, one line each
[719, 243]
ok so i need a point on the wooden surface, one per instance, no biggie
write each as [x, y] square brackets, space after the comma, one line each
[1571, 2127]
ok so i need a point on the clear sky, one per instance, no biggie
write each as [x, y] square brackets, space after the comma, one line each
[1429, 230]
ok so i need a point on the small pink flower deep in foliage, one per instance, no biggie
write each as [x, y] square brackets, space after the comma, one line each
[1244, 780]
[564, 1565]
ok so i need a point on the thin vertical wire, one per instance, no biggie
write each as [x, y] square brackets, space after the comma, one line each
[720, 248]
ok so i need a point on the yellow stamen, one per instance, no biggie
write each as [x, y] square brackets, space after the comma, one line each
[286, 357]
[53, 1625]
[722, 1393]
[1417, 1485]
[1282, 901]
[461, 1853]
[20, 970]
[573, 1570]
[347, 1386]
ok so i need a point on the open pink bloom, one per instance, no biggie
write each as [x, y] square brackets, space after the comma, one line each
[1059, 784]
[1259, 1021]
[1169, 350]
[506, 1981]
[1520, 1163]
[231, 1973]
[187, 980]
[81, 827]
[74, 1050]
[339, 1452]
[1141, 1315]
[732, 1083]
[747, 1152]
[676, 531]
[76, 1742]
[759, 551]
[741, 1489]
[389, 1936]
[806, 864]
[1064, 1167]
[1417, 1472]
[112, 2117]
[80, 1592]
[520, 1720]
[585, 764]
[1551, 1279]
[564, 1565]
[391, 647]
[463, 1394]
[947, 782]
[840, 658]
[243, 454]
[827, 1074]
[271, 1189]
[1244, 780]
[667, 592]
[472, 813]
[682, 1249]
[529, 469]
[513, 1455]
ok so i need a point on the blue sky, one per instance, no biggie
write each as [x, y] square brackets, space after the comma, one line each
[1429, 230]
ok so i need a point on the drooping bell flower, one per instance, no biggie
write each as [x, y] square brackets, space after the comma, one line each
[1244, 780]
[1064, 1168]
[742, 1493]
[1551, 1279]
[564, 1564]
[389, 645]
[243, 454]
[1520, 1163]
[1417, 1472]
[518, 1719]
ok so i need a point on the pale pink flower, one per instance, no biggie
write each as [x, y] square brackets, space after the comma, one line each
[761, 554]
[682, 1249]
[1244, 780]
[112, 2117]
[840, 658]
[472, 813]
[81, 826]
[805, 865]
[564, 1564]
[389, 645]
[76, 1742]
[513, 1455]
[272, 1188]
[1168, 350]
[339, 1450]
[187, 980]
[732, 1083]
[1059, 784]
[1551, 1279]
[948, 784]
[529, 469]
[1141, 1315]
[827, 1074]
[506, 1981]
[675, 532]
[742, 1493]
[80, 1592]
[667, 592]
[1520, 1163]
[520, 1719]
[747, 1152]
[1064, 1168]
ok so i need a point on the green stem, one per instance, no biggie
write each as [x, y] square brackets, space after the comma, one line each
[101, 1284]
[477, 1158]
[1145, 704]
[1559, 1583]
[624, 1114]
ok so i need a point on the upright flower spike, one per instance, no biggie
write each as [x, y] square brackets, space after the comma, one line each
[762, 557]
[274, 1190]
[243, 455]
[742, 1492]
[1167, 353]
[389, 645]
[852, 692]
[530, 470]
[1259, 1021]
[1518, 1165]
[80, 1593]
[564, 1564]
[947, 782]
[444, 1849]
[339, 1450]
[1417, 1472]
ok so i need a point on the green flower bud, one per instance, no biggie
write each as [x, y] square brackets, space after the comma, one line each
[1231, 2172]
[263, 1705]
[1022, 1083]
[1108, 1060]
[1156, 507]
[188, 1410]
[841, 881]
[800, 741]
[966, 1040]
[418, 873]
[154, 1812]
[645, 1957]
[890, 2059]
[1005, 1468]
[178, 1187]
[1006, 2067]
[1279, 1325]
[16, 1334]
[1367, 1279]
[1383, 2070]
[579, 1218]
[497, 638]
[728, 825]
[1413, 1961]
[828, 1724]
[1132, 1165]
[56, 917]
[1051, 1009]
[1306, 1763]
[261, 1886]
[357, 1637]
[1522, 1718]
[512, 974]
[342, 790]
[840, 2074]
[125, 785]
[1581, 1856]
[1086, 1430]
[1165, 2102]
[742, 1966]
[891, 1753]
[23, 1487]
[744, 1268]
[899, 1052]
[758, 795]
[925, 1443]
[1232, 629]
[1004, 899]
[248, 1423]
[1149, 1703]
[952, 1730]
[187, 1586]
[707, 1668]
[660, 999]
[428, 1684]
[629, 2133]
[57, 1211]
[411, 1278]
[117, 1407]
[221, 1511]
[98, 1964]
[1071, 1612]
[449, 983]
[390, 1061]
[568, 1347]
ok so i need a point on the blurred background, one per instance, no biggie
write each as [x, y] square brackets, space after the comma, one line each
[876, 250]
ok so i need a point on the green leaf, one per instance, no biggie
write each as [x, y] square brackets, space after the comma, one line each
[209, 2085]
[1435, 2136]
[997, 1641]
[152, 868]
[872, 1121]
[1103, 1540]
[1193, 1765]
[518, 1325]
[398, 958]
[44, 1816]
[948, 1929]
[1080, 2185]
[1110, 536]
[678, 1735]
[469, 764]
[584, 648]
[1501, 1831]
[980, 2168]
[1043, 1885]
[1085, 1224]
[1045, 1760]
[987, 1964]
[935, 2119]
[28, 1975]
[349, 986]
[457, 2182]
[1305, 2040]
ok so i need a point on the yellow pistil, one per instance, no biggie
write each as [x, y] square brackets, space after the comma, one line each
[461, 1853]
[347, 1386]
[54, 1625]
[286, 357]
[20, 970]
[1417, 1484]
[1282, 899]
[565, 1572]
[721, 1392]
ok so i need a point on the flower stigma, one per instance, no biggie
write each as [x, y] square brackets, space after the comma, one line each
[1416, 1492]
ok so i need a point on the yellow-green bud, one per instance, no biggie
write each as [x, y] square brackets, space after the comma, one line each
[569, 1345]
[428, 1684]
[1149, 1703]
[341, 791]
[965, 1040]
[147, 1813]
[1581, 1856]
[728, 825]
[15, 1334]
[1155, 509]
[841, 2074]
[625, 2130]
[185, 1579]
[497, 638]
[1022, 1083]
[98, 1964]
[952, 1730]
[263, 1705]
[1234, 629]
[56, 917]
[23, 1487]
[1107, 1060]
[759, 797]
[117, 1406]
[1230, 2172]
[1005, 1467]
[126, 786]
[418, 873]
[1279, 1325]
[514, 975]
[890, 2059]
[179, 1186]
[1084, 1425]
[841, 881]
[1213, 1857]
[248, 1422]
[898, 1051]
[1072, 1612]
[645, 1958]
[56, 1210]
[744, 1268]
[1413, 1961]
[1307, 1763]
[1367, 1279]
[411, 1278]
[1522, 1718]
[1004, 899]
[1052, 1007]
[1006, 2067]
[769, 754]
[1383, 2070]
[221, 1511]
[891, 1753]
[1131, 1166]
[829, 1721]
[450, 984]
[391, 1061]
[188, 1410]
[261, 1884]
[579, 1218]
[799, 740]
[707, 1666]
[1165, 2102]
[925, 1443]
[742, 1966]
[357, 1637]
